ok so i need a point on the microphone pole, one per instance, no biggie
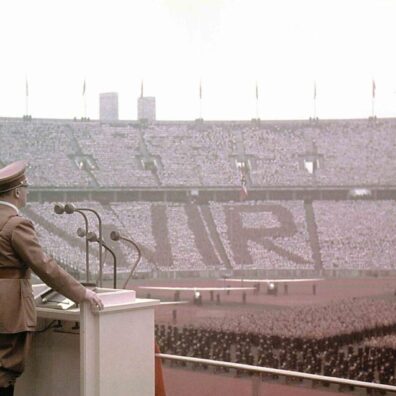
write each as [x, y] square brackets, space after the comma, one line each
[60, 209]
[70, 208]
[91, 237]
[116, 236]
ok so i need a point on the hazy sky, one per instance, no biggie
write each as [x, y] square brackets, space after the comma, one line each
[284, 45]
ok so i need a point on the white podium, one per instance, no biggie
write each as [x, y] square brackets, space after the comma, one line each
[106, 353]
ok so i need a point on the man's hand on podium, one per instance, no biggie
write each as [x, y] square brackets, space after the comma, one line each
[93, 299]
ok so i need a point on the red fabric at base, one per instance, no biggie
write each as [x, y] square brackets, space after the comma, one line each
[159, 377]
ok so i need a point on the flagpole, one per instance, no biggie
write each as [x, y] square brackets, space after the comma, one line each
[257, 98]
[373, 99]
[200, 100]
[314, 101]
[257, 109]
[315, 108]
[26, 97]
[84, 100]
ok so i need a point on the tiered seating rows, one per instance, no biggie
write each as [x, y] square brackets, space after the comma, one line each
[353, 152]
[261, 235]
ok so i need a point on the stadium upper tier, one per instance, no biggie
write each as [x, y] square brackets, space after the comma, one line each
[67, 154]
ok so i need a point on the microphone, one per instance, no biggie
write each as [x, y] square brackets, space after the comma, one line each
[81, 232]
[70, 208]
[92, 237]
[116, 236]
[59, 208]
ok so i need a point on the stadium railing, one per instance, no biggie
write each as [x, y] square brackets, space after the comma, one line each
[279, 372]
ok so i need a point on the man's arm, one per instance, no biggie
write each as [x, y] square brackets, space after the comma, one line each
[26, 245]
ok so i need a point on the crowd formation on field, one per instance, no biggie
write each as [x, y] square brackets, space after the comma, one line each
[353, 341]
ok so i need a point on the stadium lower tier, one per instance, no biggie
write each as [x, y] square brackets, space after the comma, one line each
[259, 235]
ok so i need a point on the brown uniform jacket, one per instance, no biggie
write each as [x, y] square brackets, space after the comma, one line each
[19, 248]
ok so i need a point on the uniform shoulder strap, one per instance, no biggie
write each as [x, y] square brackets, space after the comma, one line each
[9, 222]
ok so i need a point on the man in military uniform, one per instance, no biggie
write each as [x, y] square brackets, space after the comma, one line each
[21, 253]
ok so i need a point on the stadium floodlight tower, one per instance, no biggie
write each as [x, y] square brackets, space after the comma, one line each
[69, 208]
[60, 209]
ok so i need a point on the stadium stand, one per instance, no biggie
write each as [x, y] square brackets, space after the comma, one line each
[89, 154]
[352, 338]
[48, 147]
[250, 235]
[264, 234]
[357, 234]
[281, 241]
[115, 151]
[294, 234]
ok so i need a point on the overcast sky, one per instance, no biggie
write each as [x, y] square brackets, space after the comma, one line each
[284, 45]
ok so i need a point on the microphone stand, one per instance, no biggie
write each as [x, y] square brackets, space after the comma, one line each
[70, 208]
[116, 236]
[60, 209]
[91, 237]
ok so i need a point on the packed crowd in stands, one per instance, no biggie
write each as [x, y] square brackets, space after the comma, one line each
[164, 231]
[158, 227]
[58, 235]
[278, 151]
[357, 234]
[47, 147]
[264, 234]
[332, 340]
[117, 155]
[348, 153]
[250, 235]
[191, 157]
[155, 227]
